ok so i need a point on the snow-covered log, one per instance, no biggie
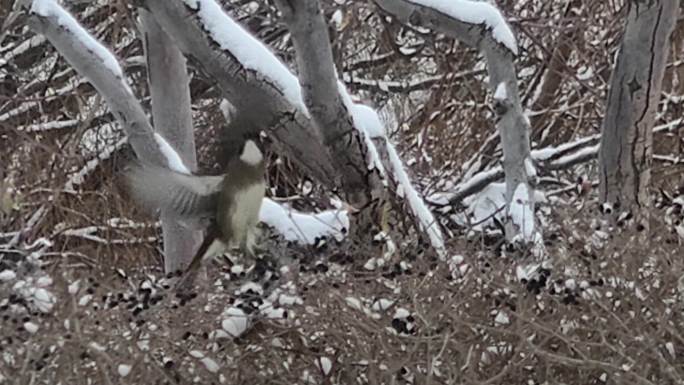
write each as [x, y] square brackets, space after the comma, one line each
[481, 25]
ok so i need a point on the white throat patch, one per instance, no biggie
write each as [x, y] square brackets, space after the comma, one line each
[251, 153]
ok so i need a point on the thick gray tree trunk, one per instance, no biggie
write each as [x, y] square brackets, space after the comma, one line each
[172, 116]
[322, 98]
[626, 141]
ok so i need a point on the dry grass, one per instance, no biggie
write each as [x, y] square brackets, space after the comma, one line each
[619, 323]
[608, 311]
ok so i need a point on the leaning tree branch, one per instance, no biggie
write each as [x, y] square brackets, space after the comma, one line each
[100, 67]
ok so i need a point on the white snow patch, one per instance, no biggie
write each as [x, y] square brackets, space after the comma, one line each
[42, 299]
[44, 281]
[30, 327]
[96, 346]
[7, 275]
[337, 18]
[304, 228]
[382, 304]
[74, 286]
[235, 322]
[124, 370]
[354, 303]
[502, 318]
[476, 12]
[218, 334]
[367, 120]
[253, 286]
[173, 159]
[670, 349]
[401, 313]
[85, 300]
[289, 300]
[210, 364]
[521, 213]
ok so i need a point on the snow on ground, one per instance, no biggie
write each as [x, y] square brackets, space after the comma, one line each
[301, 227]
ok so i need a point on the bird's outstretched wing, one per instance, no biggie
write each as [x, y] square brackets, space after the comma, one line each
[189, 196]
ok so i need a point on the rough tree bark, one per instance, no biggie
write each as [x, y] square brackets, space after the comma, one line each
[172, 117]
[322, 98]
[625, 152]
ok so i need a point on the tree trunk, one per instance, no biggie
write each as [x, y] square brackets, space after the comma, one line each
[172, 116]
[626, 140]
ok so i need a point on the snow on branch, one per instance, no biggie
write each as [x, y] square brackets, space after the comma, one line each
[482, 26]
[173, 159]
[465, 11]
[50, 9]
[427, 221]
[247, 49]
[547, 158]
[331, 107]
[96, 63]
[367, 121]
[476, 12]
